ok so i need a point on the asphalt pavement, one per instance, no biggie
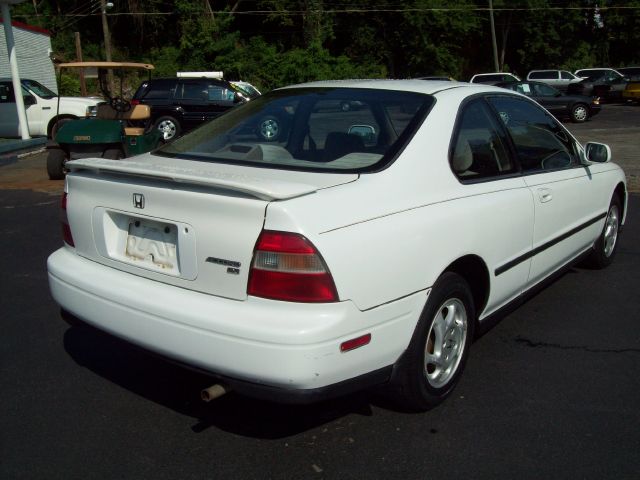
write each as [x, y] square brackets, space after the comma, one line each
[551, 391]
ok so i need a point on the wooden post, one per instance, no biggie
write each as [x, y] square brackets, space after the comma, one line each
[83, 84]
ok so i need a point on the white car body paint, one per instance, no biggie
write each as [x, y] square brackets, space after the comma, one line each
[386, 237]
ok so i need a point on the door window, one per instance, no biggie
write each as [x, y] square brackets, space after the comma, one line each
[194, 91]
[6, 93]
[479, 147]
[217, 93]
[541, 143]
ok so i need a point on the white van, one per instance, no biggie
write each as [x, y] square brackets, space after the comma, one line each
[559, 79]
[41, 105]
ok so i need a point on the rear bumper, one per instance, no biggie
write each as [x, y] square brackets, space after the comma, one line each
[287, 349]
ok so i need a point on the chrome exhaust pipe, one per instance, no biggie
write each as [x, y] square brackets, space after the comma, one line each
[213, 392]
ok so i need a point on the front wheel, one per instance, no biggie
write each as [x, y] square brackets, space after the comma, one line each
[607, 244]
[56, 158]
[436, 356]
[579, 113]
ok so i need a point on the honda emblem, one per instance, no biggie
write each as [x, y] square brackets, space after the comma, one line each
[138, 200]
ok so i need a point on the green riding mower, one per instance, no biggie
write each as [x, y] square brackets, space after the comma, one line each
[118, 129]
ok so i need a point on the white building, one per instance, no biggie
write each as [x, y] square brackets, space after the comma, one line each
[33, 49]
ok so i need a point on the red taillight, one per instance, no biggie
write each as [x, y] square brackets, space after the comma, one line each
[135, 102]
[286, 266]
[66, 230]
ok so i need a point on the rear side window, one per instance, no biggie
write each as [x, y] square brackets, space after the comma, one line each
[540, 141]
[157, 89]
[193, 90]
[479, 148]
[491, 78]
[544, 75]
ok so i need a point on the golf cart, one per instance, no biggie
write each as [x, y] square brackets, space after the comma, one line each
[117, 130]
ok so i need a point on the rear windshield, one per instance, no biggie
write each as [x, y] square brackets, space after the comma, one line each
[320, 129]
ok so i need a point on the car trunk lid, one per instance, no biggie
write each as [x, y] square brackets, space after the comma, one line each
[190, 224]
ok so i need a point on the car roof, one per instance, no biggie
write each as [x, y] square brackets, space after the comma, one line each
[597, 69]
[411, 85]
[182, 79]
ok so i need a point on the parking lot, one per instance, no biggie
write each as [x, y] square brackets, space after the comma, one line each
[550, 391]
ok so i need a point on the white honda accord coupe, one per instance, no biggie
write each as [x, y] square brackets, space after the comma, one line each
[297, 250]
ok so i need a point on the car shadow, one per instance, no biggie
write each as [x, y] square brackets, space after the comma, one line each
[178, 388]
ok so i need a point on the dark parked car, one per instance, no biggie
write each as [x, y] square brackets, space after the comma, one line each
[605, 83]
[181, 104]
[578, 108]
[632, 73]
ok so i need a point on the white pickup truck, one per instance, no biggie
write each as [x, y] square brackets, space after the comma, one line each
[41, 105]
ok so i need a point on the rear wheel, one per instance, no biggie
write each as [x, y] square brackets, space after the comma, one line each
[607, 244]
[169, 127]
[269, 128]
[579, 113]
[436, 356]
[57, 125]
[56, 158]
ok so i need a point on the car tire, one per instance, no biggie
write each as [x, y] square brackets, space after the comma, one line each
[579, 113]
[56, 159]
[269, 128]
[168, 127]
[113, 154]
[433, 363]
[605, 248]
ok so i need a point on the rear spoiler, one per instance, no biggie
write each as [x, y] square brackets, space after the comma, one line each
[212, 175]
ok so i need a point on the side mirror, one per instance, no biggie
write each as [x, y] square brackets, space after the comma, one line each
[597, 152]
[29, 100]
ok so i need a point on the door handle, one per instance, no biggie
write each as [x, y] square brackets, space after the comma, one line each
[545, 195]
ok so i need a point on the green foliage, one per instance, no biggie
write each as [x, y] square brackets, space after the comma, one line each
[291, 41]
[69, 85]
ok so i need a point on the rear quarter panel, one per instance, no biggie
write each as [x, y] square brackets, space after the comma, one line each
[394, 232]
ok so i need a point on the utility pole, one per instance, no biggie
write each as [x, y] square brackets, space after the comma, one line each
[83, 84]
[493, 37]
[107, 38]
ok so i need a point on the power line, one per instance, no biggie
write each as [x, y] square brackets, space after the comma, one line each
[349, 11]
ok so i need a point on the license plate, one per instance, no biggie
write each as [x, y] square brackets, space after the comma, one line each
[153, 245]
